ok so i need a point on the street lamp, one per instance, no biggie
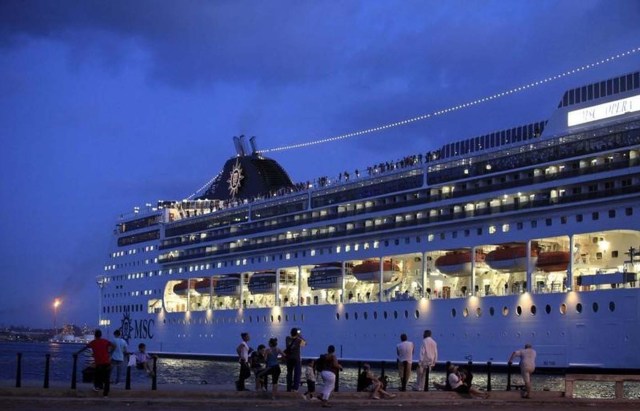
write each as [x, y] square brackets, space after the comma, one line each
[56, 304]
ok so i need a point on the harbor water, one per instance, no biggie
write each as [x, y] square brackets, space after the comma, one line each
[200, 371]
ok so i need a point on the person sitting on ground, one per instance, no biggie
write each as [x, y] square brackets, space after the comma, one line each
[143, 359]
[456, 380]
[373, 384]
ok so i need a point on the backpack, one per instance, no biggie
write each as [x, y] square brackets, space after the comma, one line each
[321, 363]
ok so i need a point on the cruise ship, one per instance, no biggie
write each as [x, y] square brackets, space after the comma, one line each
[528, 234]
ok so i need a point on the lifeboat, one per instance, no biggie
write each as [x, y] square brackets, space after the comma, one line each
[265, 282]
[183, 286]
[325, 276]
[553, 261]
[203, 286]
[458, 263]
[227, 286]
[511, 258]
[369, 271]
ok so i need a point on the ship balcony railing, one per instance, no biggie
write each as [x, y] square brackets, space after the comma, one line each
[391, 225]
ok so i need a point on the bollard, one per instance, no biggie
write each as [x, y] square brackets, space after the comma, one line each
[154, 377]
[426, 378]
[337, 384]
[46, 370]
[488, 375]
[19, 371]
[509, 364]
[127, 383]
[74, 371]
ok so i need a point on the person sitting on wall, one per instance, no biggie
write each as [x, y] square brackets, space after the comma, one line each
[144, 359]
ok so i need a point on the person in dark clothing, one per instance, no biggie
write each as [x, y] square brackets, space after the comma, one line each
[293, 344]
[101, 354]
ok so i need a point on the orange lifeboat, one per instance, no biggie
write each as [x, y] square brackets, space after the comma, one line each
[458, 263]
[511, 258]
[184, 286]
[553, 261]
[369, 271]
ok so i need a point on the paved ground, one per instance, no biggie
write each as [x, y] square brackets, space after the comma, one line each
[174, 397]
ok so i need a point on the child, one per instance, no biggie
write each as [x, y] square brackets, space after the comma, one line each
[310, 375]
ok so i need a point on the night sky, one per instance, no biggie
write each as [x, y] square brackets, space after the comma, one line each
[107, 105]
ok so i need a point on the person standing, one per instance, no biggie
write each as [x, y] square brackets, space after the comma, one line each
[329, 372]
[310, 376]
[273, 355]
[118, 353]
[294, 361]
[243, 358]
[527, 366]
[405, 359]
[101, 355]
[428, 359]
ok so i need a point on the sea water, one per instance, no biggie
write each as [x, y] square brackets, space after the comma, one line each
[201, 371]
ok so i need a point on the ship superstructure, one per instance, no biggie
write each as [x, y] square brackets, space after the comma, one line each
[527, 234]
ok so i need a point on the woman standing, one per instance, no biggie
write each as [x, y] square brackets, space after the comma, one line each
[273, 355]
[329, 372]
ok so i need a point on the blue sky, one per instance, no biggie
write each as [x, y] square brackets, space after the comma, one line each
[107, 105]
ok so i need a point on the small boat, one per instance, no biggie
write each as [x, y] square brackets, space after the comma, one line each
[181, 287]
[550, 261]
[369, 271]
[203, 286]
[265, 282]
[327, 276]
[227, 286]
[458, 263]
[511, 258]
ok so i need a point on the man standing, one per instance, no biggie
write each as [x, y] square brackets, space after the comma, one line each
[118, 353]
[100, 348]
[243, 357]
[405, 358]
[527, 366]
[294, 362]
[428, 359]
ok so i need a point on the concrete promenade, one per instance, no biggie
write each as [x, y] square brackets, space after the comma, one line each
[176, 397]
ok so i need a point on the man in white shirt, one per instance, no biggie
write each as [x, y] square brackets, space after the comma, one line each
[405, 359]
[428, 359]
[243, 357]
[527, 366]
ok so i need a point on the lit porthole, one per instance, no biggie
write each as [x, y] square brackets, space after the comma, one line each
[518, 311]
[375, 315]
[355, 316]
[346, 316]
[547, 309]
[465, 312]
[384, 314]
[337, 316]
[478, 312]
[612, 306]
[453, 312]
[417, 314]
[534, 310]
[395, 314]
[563, 308]
[364, 314]
[579, 307]
[505, 311]
[492, 311]
[406, 314]
[595, 307]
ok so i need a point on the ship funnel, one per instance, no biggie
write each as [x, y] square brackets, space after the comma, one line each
[243, 142]
[239, 145]
[254, 148]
